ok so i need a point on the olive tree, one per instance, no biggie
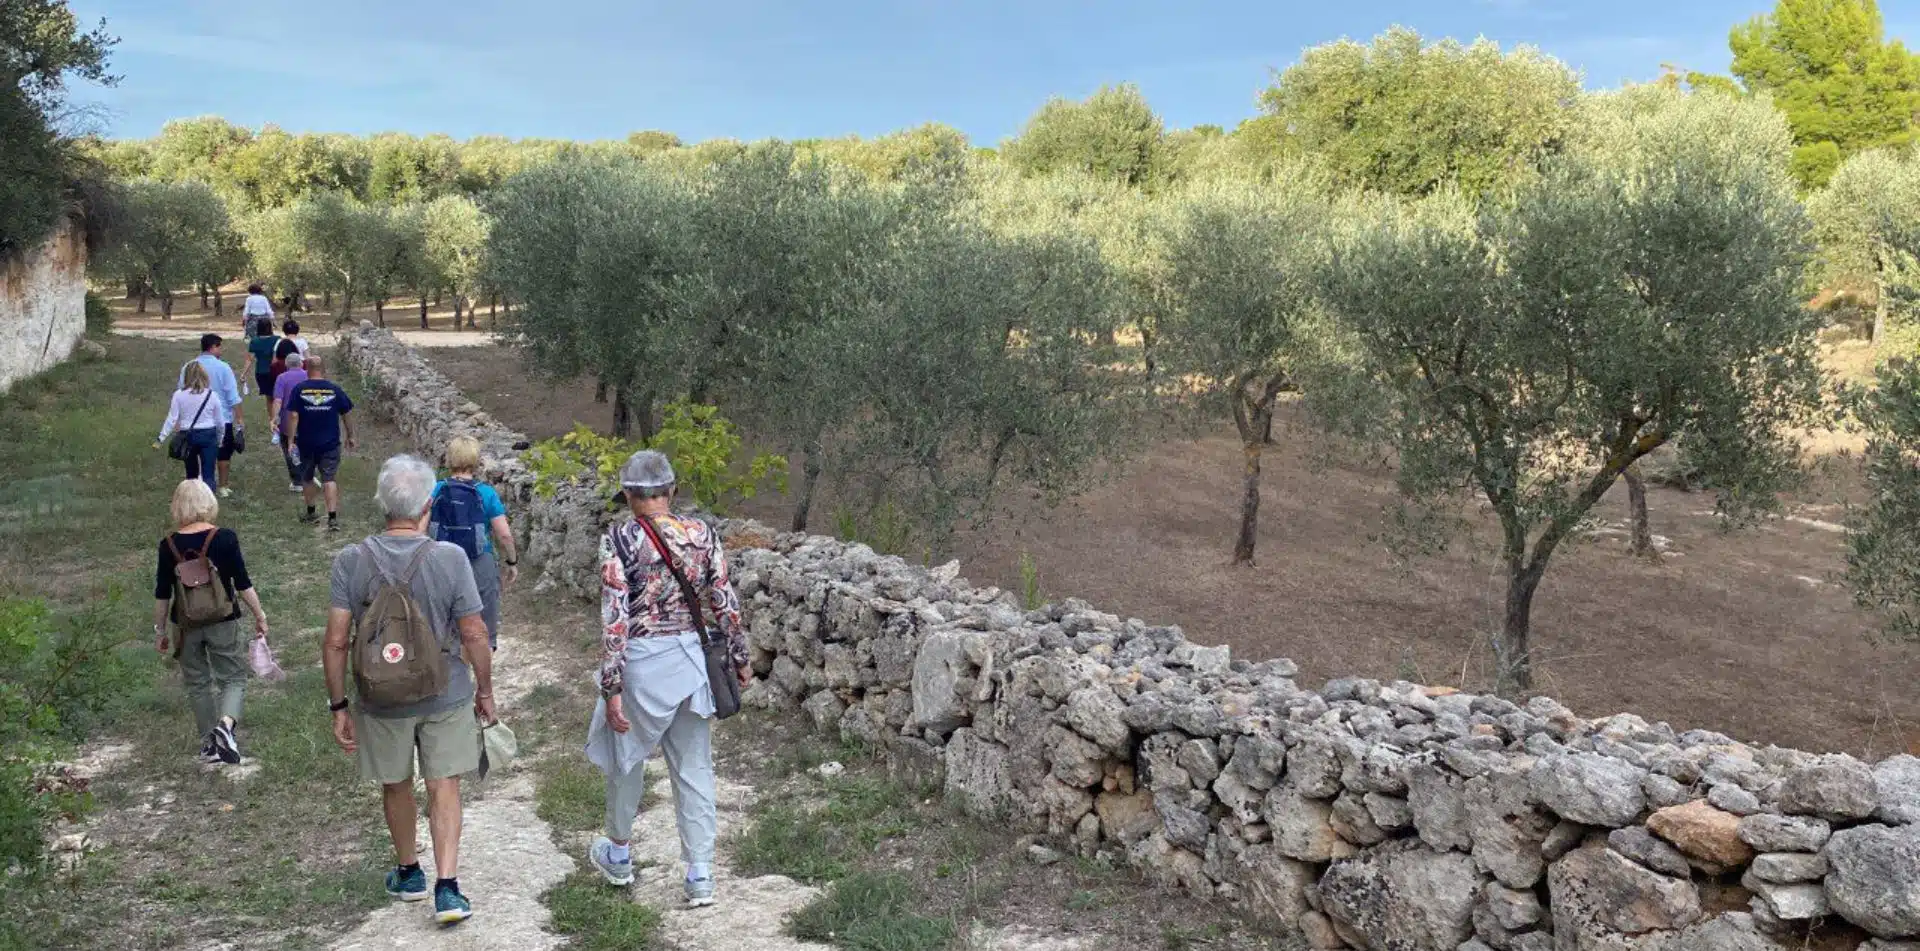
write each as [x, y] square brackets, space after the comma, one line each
[1533, 351]
[1871, 199]
[1244, 323]
[1883, 550]
[174, 234]
[977, 354]
[588, 249]
[455, 245]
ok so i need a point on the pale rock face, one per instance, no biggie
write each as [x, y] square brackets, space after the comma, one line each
[1874, 878]
[1596, 892]
[1837, 788]
[1771, 833]
[1590, 789]
[1403, 895]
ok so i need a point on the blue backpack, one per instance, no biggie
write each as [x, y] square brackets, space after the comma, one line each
[458, 516]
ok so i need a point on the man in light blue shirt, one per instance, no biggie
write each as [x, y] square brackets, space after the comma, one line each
[227, 388]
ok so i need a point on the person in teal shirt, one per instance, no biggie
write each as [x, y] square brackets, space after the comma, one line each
[453, 520]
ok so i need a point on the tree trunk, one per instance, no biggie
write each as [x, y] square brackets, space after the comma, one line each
[380, 311]
[622, 414]
[1249, 503]
[423, 315]
[599, 391]
[1266, 435]
[141, 307]
[219, 303]
[1512, 653]
[1637, 503]
[809, 477]
[436, 300]
[458, 311]
[1106, 337]
[473, 313]
[134, 286]
[1879, 315]
[166, 305]
[326, 301]
[203, 294]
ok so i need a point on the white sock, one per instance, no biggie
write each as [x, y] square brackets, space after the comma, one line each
[619, 853]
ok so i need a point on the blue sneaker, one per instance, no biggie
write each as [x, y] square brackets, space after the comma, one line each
[449, 906]
[407, 884]
[600, 854]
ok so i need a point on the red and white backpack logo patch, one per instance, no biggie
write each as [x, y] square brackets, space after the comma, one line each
[393, 653]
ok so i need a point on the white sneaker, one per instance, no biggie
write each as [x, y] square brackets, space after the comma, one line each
[293, 487]
[225, 492]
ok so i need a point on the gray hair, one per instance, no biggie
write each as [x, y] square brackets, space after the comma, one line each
[647, 475]
[295, 359]
[405, 488]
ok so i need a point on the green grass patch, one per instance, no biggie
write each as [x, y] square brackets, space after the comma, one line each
[823, 834]
[571, 794]
[871, 911]
[596, 917]
[83, 503]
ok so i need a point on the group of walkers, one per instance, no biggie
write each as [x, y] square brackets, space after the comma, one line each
[414, 614]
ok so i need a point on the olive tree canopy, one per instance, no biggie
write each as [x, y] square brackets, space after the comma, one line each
[1640, 293]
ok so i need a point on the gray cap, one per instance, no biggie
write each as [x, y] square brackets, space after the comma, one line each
[646, 469]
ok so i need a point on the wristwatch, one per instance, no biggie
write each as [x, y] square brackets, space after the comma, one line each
[336, 706]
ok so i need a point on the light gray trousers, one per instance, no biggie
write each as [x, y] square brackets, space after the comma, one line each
[688, 747]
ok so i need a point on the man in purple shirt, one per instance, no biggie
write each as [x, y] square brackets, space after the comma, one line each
[294, 375]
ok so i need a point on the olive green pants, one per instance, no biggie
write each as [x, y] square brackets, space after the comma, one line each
[213, 661]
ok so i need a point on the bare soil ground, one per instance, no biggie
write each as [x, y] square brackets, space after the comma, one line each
[1743, 632]
[191, 320]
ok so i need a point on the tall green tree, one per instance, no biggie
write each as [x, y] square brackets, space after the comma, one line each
[1883, 550]
[1408, 117]
[1830, 67]
[1112, 134]
[455, 233]
[41, 46]
[1638, 294]
[176, 234]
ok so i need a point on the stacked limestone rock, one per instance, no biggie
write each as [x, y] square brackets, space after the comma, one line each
[560, 533]
[1365, 815]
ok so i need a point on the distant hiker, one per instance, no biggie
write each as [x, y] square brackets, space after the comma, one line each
[317, 410]
[405, 617]
[465, 512]
[197, 411]
[291, 342]
[260, 357]
[226, 389]
[198, 586]
[653, 673]
[258, 307]
[294, 375]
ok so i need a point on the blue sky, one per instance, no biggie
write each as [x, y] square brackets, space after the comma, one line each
[791, 68]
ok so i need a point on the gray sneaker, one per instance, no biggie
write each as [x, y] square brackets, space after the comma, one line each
[699, 892]
[600, 854]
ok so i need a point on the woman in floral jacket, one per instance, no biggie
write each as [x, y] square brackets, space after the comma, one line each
[653, 675]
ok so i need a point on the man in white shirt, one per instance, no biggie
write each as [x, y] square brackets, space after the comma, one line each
[227, 390]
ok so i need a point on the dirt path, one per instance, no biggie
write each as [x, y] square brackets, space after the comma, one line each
[507, 858]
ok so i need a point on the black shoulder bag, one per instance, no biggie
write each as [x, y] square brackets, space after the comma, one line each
[177, 443]
[721, 678]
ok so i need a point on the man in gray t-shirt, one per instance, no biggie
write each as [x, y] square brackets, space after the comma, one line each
[442, 731]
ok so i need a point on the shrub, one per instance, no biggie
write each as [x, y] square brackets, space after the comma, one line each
[702, 444]
[55, 685]
[99, 316]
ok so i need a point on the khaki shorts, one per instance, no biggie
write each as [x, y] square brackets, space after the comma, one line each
[448, 744]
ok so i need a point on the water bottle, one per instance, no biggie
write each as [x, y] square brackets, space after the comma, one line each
[293, 453]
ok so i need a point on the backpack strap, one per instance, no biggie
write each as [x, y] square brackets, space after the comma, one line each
[419, 556]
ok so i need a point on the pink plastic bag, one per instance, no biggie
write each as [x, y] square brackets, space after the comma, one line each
[264, 666]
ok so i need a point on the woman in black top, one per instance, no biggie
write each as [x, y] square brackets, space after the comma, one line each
[213, 655]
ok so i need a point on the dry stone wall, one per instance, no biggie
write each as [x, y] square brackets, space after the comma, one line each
[43, 310]
[1389, 816]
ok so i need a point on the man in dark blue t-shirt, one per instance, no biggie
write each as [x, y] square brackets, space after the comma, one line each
[317, 411]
